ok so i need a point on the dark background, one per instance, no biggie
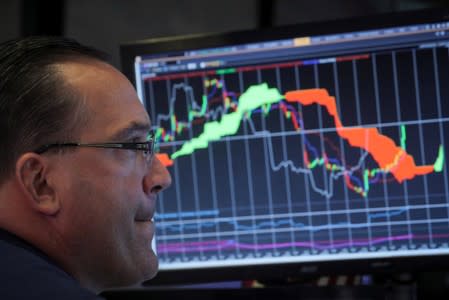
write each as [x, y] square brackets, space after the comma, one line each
[104, 24]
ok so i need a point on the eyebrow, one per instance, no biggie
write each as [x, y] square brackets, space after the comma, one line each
[130, 129]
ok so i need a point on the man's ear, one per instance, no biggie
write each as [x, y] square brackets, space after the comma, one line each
[32, 177]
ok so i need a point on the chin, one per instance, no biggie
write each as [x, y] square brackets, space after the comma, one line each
[142, 269]
[153, 268]
[148, 266]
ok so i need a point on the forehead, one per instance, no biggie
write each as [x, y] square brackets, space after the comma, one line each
[110, 100]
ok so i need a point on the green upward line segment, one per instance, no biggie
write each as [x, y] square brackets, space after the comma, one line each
[403, 137]
[439, 163]
[254, 97]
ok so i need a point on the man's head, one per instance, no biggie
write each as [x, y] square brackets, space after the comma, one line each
[88, 208]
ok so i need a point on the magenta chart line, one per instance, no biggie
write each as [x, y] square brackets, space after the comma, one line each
[232, 244]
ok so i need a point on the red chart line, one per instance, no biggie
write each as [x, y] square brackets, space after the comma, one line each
[389, 156]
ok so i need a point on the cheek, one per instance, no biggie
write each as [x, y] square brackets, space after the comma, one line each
[102, 232]
[106, 201]
[99, 203]
[123, 181]
[98, 227]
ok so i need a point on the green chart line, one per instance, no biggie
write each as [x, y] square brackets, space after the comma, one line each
[439, 163]
[403, 137]
[254, 97]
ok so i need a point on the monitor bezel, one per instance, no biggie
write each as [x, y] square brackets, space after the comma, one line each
[285, 271]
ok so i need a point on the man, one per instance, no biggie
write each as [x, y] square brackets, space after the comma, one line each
[78, 176]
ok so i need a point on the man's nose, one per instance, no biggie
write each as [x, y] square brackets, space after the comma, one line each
[157, 178]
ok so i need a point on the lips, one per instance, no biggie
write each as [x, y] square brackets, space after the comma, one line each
[145, 212]
[145, 230]
[144, 215]
[144, 218]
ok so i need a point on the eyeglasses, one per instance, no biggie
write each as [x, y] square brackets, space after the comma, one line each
[147, 148]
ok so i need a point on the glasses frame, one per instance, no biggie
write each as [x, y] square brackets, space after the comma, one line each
[147, 147]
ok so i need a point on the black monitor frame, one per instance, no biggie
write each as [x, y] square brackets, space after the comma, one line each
[280, 272]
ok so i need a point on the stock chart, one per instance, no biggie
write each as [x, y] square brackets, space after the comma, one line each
[328, 156]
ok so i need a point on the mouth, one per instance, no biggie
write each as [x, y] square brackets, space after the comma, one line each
[145, 216]
[148, 220]
[146, 227]
[145, 211]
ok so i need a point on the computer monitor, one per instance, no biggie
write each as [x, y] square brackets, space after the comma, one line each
[302, 150]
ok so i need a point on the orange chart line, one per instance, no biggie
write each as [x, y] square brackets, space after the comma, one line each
[164, 159]
[383, 149]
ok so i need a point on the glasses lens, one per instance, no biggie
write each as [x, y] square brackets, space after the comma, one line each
[150, 150]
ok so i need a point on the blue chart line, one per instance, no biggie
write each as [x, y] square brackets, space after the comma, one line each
[275, 224]
[187, 214]
[386, 214]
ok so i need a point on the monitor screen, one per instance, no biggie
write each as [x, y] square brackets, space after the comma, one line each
[306, 149]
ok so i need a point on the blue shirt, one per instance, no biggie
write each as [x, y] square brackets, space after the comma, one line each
[27, 273]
